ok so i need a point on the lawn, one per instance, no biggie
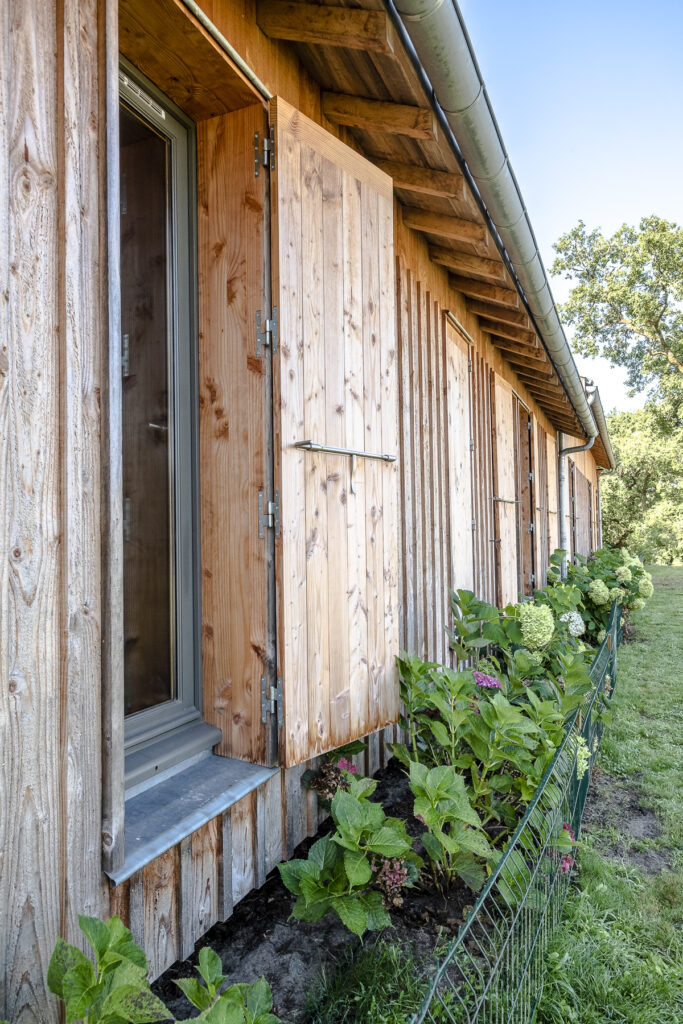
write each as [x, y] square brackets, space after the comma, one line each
[619, 953]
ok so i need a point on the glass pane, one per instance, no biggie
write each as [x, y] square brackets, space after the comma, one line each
[147, 429]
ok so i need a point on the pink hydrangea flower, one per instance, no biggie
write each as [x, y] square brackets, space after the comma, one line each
[481, 679]
[346, 766]
[566, 864]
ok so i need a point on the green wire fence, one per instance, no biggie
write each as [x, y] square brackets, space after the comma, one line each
[492, 972]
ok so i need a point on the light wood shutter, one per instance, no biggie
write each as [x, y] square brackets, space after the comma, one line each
[335, 381]
[505, 497]
[234, 403]
[542, 516]
[460, 501]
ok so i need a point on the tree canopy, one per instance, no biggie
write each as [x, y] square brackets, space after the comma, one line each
[642, 503]
[627, 303]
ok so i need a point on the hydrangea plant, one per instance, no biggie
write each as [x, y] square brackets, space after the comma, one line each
[537, 625]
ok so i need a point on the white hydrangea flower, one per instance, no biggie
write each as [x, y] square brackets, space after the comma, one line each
[575, 622]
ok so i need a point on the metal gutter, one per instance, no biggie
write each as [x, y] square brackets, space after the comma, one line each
[439, 40]
[599, 416]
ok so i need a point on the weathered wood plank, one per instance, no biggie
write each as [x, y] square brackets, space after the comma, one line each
[372, 390]
[32, 843]
[161, 881]
[327, 26]
[289, 428]
[243, 846]
[337, 472]
[391, 517]
[225, 901]
[313, 245]
[354, 376]
[407, 501]
[373, 115]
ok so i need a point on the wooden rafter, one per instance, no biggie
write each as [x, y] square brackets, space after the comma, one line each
[377, 116]
[500, 295]
[353, 29]
[522, 359]
[498, 313]
[453, 228]
[465, 264]
[508, 331]
[424, 180]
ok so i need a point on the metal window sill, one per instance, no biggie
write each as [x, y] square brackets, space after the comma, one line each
[159, 817]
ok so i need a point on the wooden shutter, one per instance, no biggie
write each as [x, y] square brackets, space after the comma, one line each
[484, 528]
[335, 380]
[553, 517]
[458, 402]
[524, 464]
[234, 404]
[505, 497]
[541, 488]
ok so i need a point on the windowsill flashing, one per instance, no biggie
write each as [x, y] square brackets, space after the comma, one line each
[158, 817]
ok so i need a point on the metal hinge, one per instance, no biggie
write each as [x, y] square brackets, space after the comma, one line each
[531, 528]
[125, 355]
[530, 476]
[474, 524]
[268, 514]
[266, 335]
[271, 700]
[264, 155]
[532, 578]
[530, 425]
[127, 506]
[469, 366]
[471, 444]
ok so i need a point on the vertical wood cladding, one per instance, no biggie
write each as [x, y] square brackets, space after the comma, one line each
[430, 390]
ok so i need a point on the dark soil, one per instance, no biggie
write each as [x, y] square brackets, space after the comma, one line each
[260, 939]
[615, 803]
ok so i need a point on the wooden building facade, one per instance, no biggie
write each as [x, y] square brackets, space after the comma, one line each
[268, 389]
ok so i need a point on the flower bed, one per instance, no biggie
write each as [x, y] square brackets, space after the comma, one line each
[493, 969]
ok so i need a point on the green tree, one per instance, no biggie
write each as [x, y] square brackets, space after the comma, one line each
[627, 303]
[642, 502]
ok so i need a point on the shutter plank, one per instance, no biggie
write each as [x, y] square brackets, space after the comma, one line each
[337, 474]
[354, 360]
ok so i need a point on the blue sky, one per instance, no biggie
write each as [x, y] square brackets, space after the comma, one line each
[589, 99]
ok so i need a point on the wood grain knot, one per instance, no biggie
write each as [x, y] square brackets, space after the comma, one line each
[17, 554]
[107, 839]
[12, 686]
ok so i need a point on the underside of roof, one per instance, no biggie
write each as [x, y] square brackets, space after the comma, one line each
[375, 84]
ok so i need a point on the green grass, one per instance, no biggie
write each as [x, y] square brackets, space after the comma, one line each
[376, 982]
[619, 953]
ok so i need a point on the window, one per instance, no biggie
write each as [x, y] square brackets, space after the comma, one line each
[160, 521]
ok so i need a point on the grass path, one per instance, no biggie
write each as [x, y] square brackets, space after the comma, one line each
[619, 953]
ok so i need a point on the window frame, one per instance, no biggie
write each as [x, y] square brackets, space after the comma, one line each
[147, 727]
